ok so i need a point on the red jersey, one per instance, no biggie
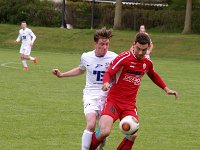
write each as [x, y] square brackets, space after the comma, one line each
[129, 71]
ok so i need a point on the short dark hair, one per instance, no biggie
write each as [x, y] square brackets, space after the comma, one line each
[23, 21]
[142, 38]
[102, 33]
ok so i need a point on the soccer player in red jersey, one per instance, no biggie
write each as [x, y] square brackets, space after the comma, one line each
[128, 69]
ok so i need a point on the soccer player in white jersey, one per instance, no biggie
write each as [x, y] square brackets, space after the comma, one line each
[94, 63]
[28, 38]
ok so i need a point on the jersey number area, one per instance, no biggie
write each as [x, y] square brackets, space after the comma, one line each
[24, 37]
[99, 75]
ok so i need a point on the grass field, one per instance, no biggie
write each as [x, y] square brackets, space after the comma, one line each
[41, 112]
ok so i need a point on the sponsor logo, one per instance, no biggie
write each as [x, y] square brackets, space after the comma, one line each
[132, 79]
[98, 65]
[107, 65]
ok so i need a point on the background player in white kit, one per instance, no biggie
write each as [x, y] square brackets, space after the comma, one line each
[94, 63]
[28, 38]
[150, 49]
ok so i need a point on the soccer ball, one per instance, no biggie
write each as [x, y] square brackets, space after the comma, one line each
[128, 125]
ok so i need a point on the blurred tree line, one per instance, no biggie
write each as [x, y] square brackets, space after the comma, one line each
[78, 14]
[35, 12]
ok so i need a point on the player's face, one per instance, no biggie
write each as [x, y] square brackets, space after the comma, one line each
[102, 47]
[23, 25]
[142, 29]
[140, 50]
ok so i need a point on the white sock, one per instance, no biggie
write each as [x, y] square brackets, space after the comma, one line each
[24, 63]
[86, 139]
[31, 58]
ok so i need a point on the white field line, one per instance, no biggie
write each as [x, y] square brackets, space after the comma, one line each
[9, 65]
[50, 52]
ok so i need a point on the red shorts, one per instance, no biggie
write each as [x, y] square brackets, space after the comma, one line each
[118, 110]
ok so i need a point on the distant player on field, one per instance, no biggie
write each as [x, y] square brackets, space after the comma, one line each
[95, 64]
[28, 38]
[129, 68]
[150, 48]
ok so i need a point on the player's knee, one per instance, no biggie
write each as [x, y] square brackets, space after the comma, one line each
[26, 57]
[90, 126]
[105, 132]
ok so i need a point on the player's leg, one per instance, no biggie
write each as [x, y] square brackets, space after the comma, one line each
[102, 145]
[91, 113]
[106, 123]
[101, 104]
[34, 59]
[127, 142]
[109, 116]
[29, 57]
[90, 127]
[22, 57]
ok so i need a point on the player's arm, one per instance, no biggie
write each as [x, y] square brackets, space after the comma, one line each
[154, 76]
[171, 92]
[106, 81]
[18, 38]
[112, 70]
[33, 37]
[149, 51]
[71, 73]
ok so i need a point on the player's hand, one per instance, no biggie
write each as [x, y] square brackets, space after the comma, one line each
[171, 92]
[31, 45]
[57, 73]
[106, 86]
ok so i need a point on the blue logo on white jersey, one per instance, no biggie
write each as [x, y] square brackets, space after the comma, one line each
[98, 65]
[23, 37]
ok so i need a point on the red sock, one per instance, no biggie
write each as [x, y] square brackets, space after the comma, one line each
[125, 144]
[95, 143]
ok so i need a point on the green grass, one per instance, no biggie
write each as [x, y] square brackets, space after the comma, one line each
[80, 40]
[41, 112]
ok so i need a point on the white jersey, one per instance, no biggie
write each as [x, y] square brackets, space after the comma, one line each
[27, 36]
[95, 68]
[93, 96]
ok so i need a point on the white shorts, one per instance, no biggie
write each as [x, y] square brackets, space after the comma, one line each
[25, 49]
[94, 103]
